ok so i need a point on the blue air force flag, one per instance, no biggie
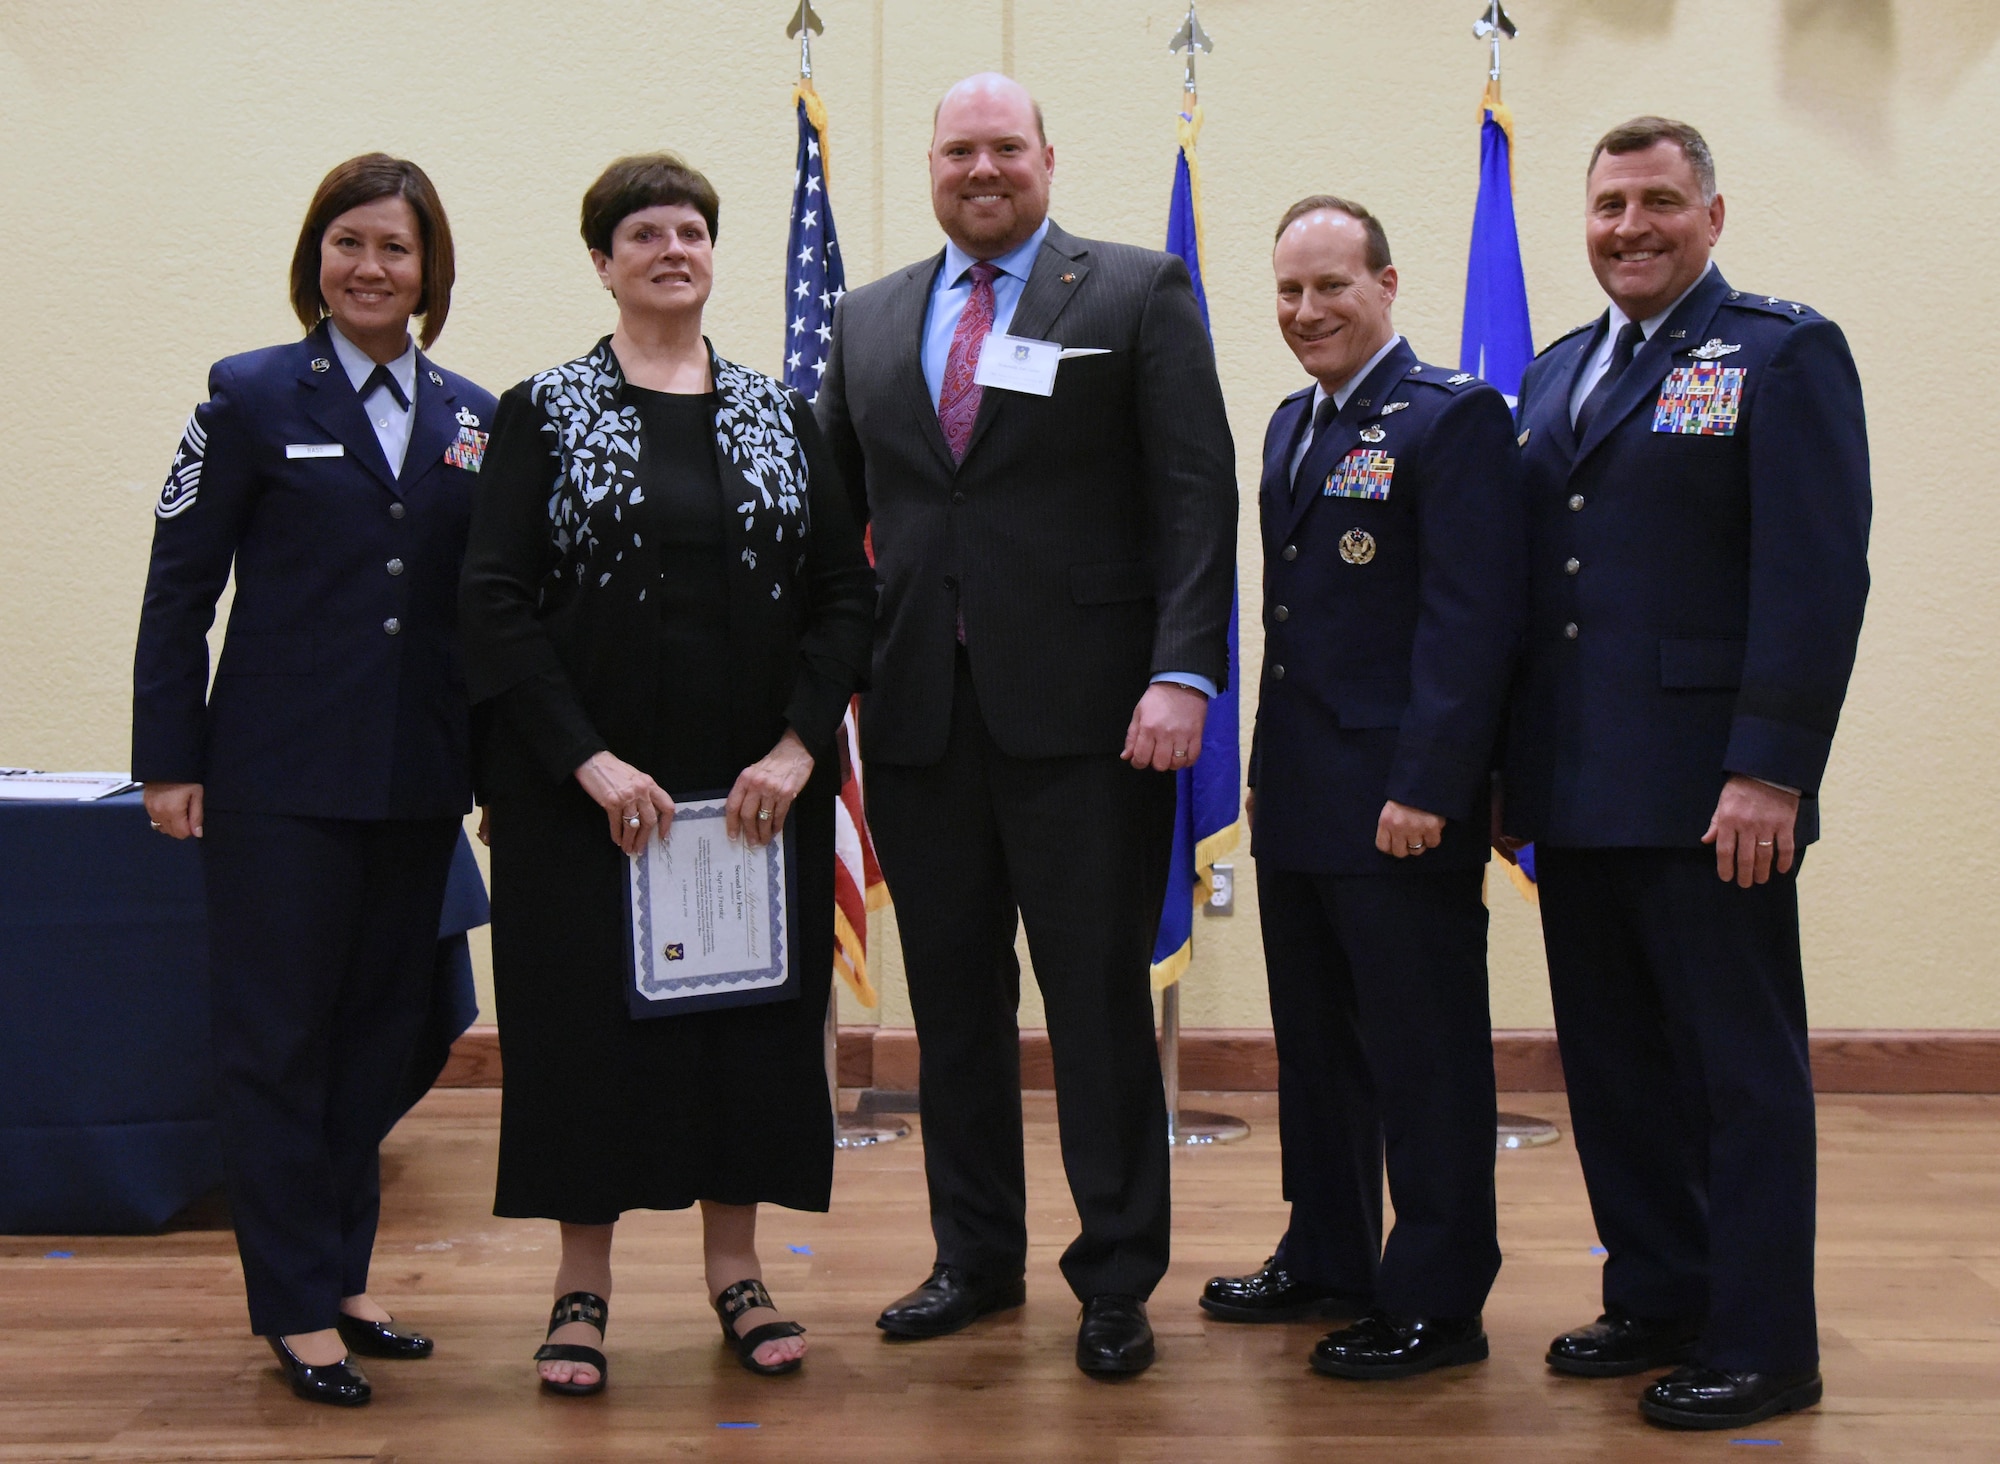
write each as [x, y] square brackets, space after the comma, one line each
[814, 277]
[1496, 344]
[1208, 816]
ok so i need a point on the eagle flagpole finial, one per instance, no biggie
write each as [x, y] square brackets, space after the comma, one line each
[805, 21]
[1190, 38]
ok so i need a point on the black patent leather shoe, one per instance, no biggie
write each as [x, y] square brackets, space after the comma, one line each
[381, 1339]
[1706, 1397]
[1380, 1347]
[1272, 1294]
[948, 1301]
[1115, 1339]
[339, 1383]
[1617, 1345]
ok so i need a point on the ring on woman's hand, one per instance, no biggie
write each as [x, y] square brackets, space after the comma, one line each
[1180, 752]
[763, 815]
[631, 820]
[159, 826]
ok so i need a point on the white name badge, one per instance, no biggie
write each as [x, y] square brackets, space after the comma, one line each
[314, 449]
[1015, 363]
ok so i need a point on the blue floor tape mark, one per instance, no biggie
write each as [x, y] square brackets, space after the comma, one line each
[1761, 1443]
[60, 1256]
[800, 1250]
[739, 1425]
[1598, 1250]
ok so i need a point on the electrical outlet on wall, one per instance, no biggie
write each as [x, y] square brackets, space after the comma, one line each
[1221, 890]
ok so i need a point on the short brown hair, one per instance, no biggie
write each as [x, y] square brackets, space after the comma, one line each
[363, 180]
[1643, 132]
[644, 180]
[1377, 253]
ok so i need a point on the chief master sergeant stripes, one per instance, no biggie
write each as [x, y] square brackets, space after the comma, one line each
[1698, 493]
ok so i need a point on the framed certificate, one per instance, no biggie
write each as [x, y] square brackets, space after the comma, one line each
[710, 917]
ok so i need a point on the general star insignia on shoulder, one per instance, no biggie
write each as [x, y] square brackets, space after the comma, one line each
[1713, 349]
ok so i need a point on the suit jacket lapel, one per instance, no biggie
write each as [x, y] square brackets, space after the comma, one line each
[436, 423]
[1058, 272]
[1276, 487]
[331, 403]
[1563, 387]
[1649, 364]
[908, 313]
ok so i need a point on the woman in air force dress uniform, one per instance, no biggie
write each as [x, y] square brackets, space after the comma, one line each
[327, 770]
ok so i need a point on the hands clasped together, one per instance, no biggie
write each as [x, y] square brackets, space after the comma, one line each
[638, 809]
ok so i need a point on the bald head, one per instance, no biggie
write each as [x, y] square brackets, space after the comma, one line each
[991, 165]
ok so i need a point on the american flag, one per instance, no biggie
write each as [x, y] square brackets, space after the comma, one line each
[814, 279]
[814, 283]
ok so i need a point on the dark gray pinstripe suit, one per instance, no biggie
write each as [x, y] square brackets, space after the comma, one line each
[1088, 541]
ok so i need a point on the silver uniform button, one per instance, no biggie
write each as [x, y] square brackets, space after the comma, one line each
[396, 510]
[1281, 613]
[395, 566]
[1277, 673]
[392, 625]
[1290, 553]
[1575, 502]
[1572, 566]
[1569, 631]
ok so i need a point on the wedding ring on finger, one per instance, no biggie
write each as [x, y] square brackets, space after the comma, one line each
[763, 815]
[1764, 843]
[1418, 847]
[631, 820]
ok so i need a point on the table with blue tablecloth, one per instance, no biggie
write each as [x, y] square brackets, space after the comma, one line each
[106, 1092]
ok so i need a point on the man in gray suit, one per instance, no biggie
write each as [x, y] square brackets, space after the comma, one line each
[1031, 424]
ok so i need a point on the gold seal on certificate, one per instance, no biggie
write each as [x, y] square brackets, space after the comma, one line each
[710, 917]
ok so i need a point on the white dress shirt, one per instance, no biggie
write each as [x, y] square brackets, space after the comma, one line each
[390, 418]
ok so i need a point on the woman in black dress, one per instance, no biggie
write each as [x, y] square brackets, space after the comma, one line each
[665, 594]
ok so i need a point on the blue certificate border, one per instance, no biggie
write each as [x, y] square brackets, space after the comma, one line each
[669, 1002]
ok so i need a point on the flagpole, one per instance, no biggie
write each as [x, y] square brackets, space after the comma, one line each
[850, 1130]
[1188, 1126]
[1513, 1130]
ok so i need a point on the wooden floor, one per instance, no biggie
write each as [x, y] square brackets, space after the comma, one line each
[135, 1348]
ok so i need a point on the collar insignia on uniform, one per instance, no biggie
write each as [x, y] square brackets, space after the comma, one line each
[1364, 404]
[1393, 407]
[436, 380]
[466, 418]
[1522, 440]
[1357, 546]
[1677, 335]
[1459, 380]
[321, 364]
[1713, 350]
[1372, 433]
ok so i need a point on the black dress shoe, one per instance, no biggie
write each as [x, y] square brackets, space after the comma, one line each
[1705, 1397]
[949, 1300]
[1115, 1339]
[380, 1339]
[1617, 1345]
[1378, 1346]
[339, 1383]
[1273, 1294]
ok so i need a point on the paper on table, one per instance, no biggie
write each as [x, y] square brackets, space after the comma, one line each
[30, 785]
[709, 917]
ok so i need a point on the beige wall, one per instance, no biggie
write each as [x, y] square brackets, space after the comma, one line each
[157, 158]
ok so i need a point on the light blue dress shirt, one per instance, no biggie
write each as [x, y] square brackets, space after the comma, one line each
[1600, 359]
[1340, 397]
[390, 418]
[951, 291]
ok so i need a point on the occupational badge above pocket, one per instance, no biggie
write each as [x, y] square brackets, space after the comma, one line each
[1363, 473]
[468, 451]
[1701, 399]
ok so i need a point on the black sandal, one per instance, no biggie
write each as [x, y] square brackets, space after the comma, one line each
[748, 1296]
[578, 1306]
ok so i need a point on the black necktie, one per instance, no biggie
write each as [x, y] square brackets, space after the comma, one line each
[1323, 417]
[1630, 338]
[381, 376]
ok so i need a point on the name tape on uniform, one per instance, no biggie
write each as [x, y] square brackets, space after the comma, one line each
[314, 450]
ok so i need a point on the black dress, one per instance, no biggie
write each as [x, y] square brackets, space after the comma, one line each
[602, 1113]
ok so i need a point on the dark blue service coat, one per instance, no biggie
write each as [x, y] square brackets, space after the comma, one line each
[1698, 571]
[1394, 591]
[339, 692]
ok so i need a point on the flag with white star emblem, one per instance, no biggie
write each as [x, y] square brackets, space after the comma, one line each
[814, 283]
[814, 278]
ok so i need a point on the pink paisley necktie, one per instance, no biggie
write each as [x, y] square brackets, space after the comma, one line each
[958, 397]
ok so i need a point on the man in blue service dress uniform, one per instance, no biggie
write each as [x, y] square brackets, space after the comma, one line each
[1394, 594]
[1697, 476]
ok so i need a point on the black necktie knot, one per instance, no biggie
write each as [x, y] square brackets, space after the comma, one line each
[1631, 336]
[382, 376]
[1324, 413]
